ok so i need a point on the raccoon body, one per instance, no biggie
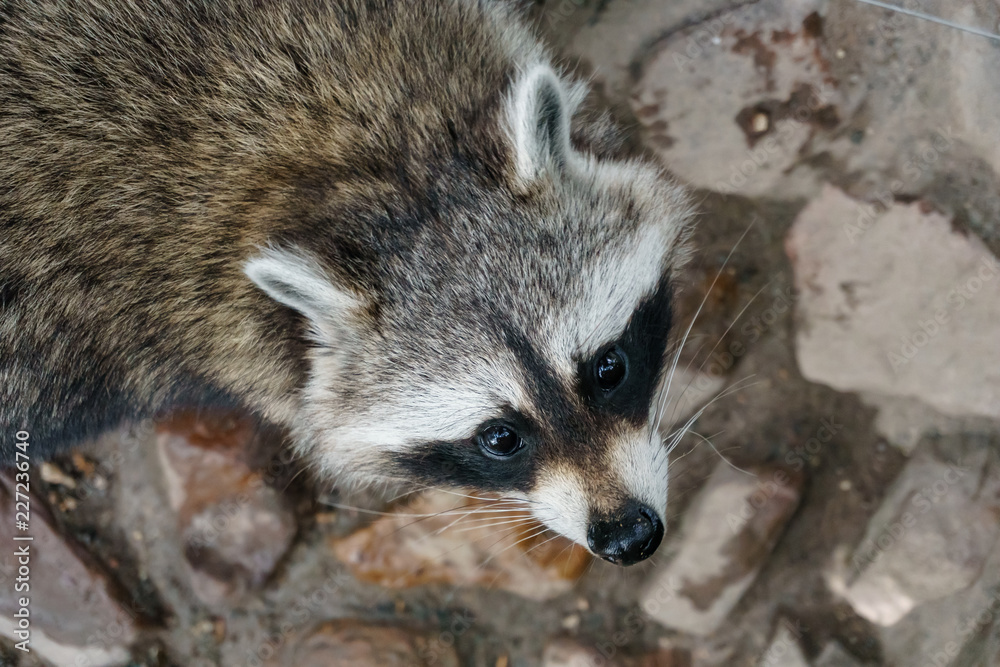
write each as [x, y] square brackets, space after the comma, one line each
[375, 223]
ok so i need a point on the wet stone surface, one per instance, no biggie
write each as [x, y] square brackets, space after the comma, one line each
[444, 538]
[233, 526]
[352, 644]
[564, 652]
[54, 598]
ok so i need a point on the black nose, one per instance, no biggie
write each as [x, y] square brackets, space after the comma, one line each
[626, 537]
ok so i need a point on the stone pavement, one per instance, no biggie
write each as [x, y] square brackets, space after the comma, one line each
[855, 519]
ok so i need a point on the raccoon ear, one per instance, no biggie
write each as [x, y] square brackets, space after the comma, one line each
[539, 111]
[293, 278]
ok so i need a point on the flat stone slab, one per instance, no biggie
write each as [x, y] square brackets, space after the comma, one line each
[235, 528]
[894, 302]
[72, 609]
[834, 655]
[729, 103]
[784, 649]
[727, 535]
[349, 643]
[930, 538]
[440, 538]
[564, 652]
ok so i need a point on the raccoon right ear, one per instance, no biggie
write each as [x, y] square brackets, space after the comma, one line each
[538, 114]
[293, 278]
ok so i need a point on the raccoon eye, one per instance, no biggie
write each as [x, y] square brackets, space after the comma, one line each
[500, 440]
[610, 369]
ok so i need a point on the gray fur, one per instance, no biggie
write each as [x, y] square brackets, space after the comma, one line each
[338, 215]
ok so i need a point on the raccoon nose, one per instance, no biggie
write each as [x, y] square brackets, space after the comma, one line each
[626, 537]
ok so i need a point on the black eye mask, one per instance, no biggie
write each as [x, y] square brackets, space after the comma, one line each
[618, 383]
[627, 388]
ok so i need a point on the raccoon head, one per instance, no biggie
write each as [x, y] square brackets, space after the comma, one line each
[507, 334]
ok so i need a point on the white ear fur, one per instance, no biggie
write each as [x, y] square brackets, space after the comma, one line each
[539, 111]
[294, 279]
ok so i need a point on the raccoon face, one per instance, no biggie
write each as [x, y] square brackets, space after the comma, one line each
[515, 344]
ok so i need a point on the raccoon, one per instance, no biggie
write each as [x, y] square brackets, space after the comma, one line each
[386, 226]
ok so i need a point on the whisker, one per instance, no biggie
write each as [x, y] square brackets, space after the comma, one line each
[694, 319]
[522, 519]
[493, 581]
[708, 356]
[566, 548]
[728, 462]
[490, 505]
[543, 543]
[520, 541]
[687, 453]
[302, 470]
[672, 437]
[406, 493]
[453, 492]
[664, 396]
[731, 389]
[933, 19]
[403, 513]
[507, 513]
[474, 540]
[512, 505]
[733, 323]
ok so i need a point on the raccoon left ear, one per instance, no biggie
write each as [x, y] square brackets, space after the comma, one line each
[293, 278]
[538, 112]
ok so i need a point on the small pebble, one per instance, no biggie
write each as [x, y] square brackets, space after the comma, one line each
[326, 518]
[219, 629]
[760, 123]
[82, 464]
[205, 627]
[52, 474]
